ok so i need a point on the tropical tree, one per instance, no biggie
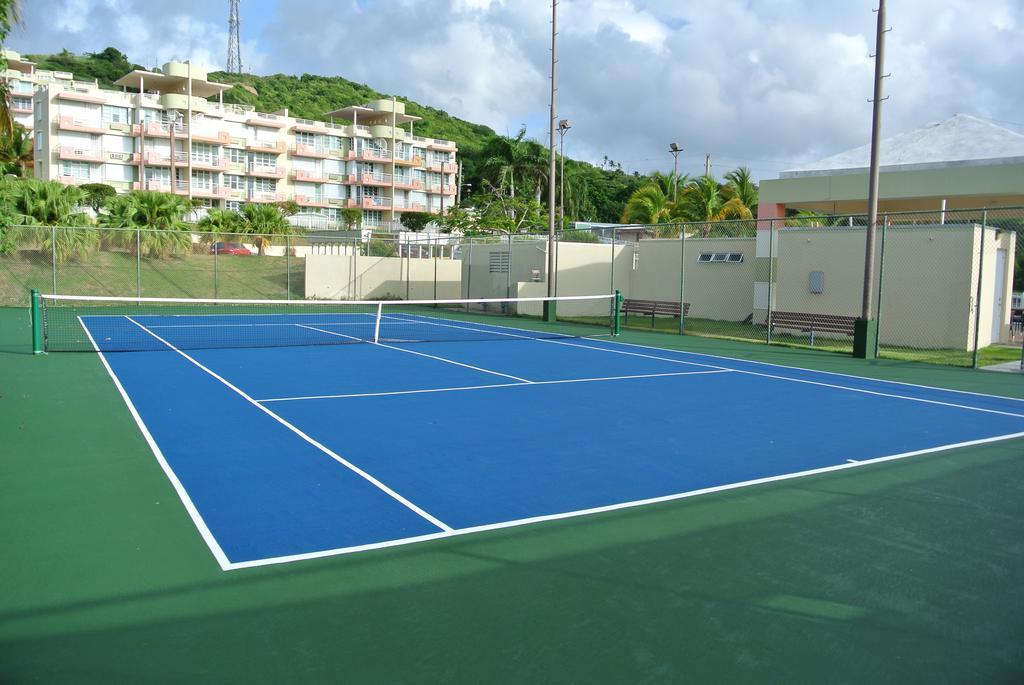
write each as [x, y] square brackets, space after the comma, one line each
[162, 215]
[702, 200]
[417, 221]
[505, 160]
[98, 195]
[15, 151]
[218, 223]
[648, 205]
[352, 217]
[45, 203]
[262, 221]
[739, 183]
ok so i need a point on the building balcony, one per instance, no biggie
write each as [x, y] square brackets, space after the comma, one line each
[370, 155]
[310, 126]
[408, 183]
[235, 194]
[276, 147]
[300, 150]
[370, 178]
[360, 130]
[154, 158]
[311, 201]
[210, 190]
[153, 185]
[72, 153]
[436, 188]
[410, 207]
[66, 123]
[438, 144]
[267, 120]
[73, 181]
[82, 95]
[159, 129]
[341, 178]
[21, 109]
[444, 167]
[123, 157]
[263, 196]
[215, 137]
[414, 160]
[370, 203]
[309, 176]
[209, 162]
[262, 171]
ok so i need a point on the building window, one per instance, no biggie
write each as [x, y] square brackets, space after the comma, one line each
[235, 156]
[21, 103]
[234, 182]
[264, 185]
[76, 170]
[304, 138]
[332, 142]
[115, 115]
[232, 205]
[372, 217]
[264, 159]
[39, 142]
[721, 257]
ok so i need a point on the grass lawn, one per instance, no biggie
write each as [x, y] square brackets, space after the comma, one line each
[190, 275]
[734, 330]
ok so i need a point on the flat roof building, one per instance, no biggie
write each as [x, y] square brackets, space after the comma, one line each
[171, 131]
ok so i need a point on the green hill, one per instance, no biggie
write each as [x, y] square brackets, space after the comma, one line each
[595, 193]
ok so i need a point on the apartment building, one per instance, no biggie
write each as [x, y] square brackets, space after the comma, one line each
[171, 131]
[23, 80]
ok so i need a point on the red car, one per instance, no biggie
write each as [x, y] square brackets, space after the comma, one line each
[229, 248]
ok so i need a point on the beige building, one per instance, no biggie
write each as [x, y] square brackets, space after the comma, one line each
[23, 79]
[171, 131]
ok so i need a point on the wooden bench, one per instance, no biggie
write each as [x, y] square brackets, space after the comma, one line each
[813, 323]
[652, 308]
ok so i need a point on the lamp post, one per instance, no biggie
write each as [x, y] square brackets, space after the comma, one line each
[675, 150]
[563, 127]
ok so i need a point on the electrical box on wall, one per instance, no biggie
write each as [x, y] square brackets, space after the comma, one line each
[817, 282]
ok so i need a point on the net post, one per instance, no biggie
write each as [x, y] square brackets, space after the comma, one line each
[618, 313]
[977, 298]
[550, 310]
[37, 324]
[376, 326]
[288, 266]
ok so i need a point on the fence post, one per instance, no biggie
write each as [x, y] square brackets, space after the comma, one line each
[288, 266]
[138, 263]
[433, 253]
[977, 298]
[682, 277]
[617, 313]
[771, 278]
[37, 324]
[508, 273]
[558, 250]
[215, 251]
[53, 257]
[881, 280]
[469, 273]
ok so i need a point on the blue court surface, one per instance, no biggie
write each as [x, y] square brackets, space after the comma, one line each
[292, 452]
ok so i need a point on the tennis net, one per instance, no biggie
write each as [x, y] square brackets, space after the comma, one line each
[63, 323]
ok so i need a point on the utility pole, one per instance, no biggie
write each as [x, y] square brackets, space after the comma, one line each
[234, 65]
[866, 331]
[675, 150]
[563, 127]
[549, 309]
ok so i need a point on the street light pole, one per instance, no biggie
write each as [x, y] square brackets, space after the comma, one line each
[675, 150]
[548, 312]
[563, 127]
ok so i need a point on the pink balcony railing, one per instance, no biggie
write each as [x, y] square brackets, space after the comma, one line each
[309, 176]
[369, 178]
[301, 150]
[311, 201]
[265, 171]
[66, 123]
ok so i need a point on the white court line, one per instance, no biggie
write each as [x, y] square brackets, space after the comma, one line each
[494, 385]
[774, 376]
[197, 519]
[613, 507]
[341, 460]
[419, 354]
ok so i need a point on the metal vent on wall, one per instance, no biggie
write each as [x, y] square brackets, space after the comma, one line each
[721, 257]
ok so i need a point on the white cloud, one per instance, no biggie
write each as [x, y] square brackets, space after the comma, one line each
[764, 84]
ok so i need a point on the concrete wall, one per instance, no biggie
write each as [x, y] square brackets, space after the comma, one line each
[333, 277]
[478, 280]
[719, 291]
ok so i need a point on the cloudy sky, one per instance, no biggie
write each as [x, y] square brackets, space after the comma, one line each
[764, 83]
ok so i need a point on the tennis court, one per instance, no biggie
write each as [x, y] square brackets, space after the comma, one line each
[284, 442]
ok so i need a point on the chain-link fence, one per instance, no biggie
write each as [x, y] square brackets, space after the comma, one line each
[943, 280]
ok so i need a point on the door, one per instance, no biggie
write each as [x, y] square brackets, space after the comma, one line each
[1000, 295]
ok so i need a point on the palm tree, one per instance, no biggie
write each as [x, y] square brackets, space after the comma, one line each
[647, 205]
[160, 214]
[702, 200]
[739, 183]
[504, 159]
[670, 183]
[220, 222]
[64, 231]
[262, 221]
[16, 151]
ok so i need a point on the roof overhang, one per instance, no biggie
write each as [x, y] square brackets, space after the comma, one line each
[163, 83]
